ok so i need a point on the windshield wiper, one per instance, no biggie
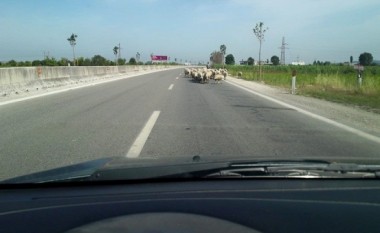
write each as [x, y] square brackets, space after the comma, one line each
[294, 169]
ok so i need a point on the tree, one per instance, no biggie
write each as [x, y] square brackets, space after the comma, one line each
[98, 60]
[351, 59]
[121, 61]
[230, 60]
[275, 60]
[80, 61]
[36, 63]
[216, 57]
[72, 40]
[326, 63]
[250, 61]
[132, 61]
[259, 32]
[49, 61]
[63, 62]
[87, 62]
[365, 59]
[11, 63]
[21, 63]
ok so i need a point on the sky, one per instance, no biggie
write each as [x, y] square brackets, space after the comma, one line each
[325, 30]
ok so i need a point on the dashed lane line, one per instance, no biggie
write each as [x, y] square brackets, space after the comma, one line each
[139, 143]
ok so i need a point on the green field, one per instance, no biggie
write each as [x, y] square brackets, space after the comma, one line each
[336, 83]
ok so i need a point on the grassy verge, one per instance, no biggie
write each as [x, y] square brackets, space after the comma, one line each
[334, 83]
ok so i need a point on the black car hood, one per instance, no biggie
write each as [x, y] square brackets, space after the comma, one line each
[118, 168]
[122, 168]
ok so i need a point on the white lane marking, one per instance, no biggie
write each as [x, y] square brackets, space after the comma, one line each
[171, 86]
[315, 116]
[139, 143]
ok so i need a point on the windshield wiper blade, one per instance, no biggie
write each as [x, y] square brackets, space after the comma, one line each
[297, 169]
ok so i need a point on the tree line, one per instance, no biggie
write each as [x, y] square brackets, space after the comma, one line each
[96, 60]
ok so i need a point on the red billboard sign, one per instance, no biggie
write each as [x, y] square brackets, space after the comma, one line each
[159, 58]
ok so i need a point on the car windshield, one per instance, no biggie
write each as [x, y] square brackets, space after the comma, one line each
[206, 88]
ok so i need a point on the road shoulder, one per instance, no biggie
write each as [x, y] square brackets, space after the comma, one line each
[354, 117]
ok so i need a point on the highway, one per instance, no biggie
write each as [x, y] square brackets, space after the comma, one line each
[163, 115]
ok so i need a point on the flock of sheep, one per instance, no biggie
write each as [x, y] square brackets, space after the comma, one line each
[203, 75]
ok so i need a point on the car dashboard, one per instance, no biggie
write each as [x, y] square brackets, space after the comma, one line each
[195, 205]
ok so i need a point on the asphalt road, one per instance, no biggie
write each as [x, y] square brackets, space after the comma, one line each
[211, 120]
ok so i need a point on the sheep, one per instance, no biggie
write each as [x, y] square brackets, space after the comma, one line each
[194, 73]
[225, 73]
[207, 75]
[199, 76]
[218, 77]
[203, 75]
[213, 72]
[187, 72]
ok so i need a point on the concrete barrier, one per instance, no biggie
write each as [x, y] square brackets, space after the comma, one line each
[18, 79]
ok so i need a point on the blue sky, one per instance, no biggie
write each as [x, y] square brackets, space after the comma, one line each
[326, 30]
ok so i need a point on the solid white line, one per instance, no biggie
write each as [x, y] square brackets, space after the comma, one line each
[139, 143]
[171, 86]
[315, 116]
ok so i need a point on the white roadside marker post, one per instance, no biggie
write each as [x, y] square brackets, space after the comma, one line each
[360, 70]
[294, 74]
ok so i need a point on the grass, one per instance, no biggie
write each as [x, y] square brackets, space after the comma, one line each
[333, 82]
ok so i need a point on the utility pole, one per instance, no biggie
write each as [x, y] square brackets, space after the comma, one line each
[138, 57]
[119, 56]
[46, 54]
[283, 47]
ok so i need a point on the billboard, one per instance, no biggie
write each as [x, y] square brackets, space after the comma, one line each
[158, 58]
